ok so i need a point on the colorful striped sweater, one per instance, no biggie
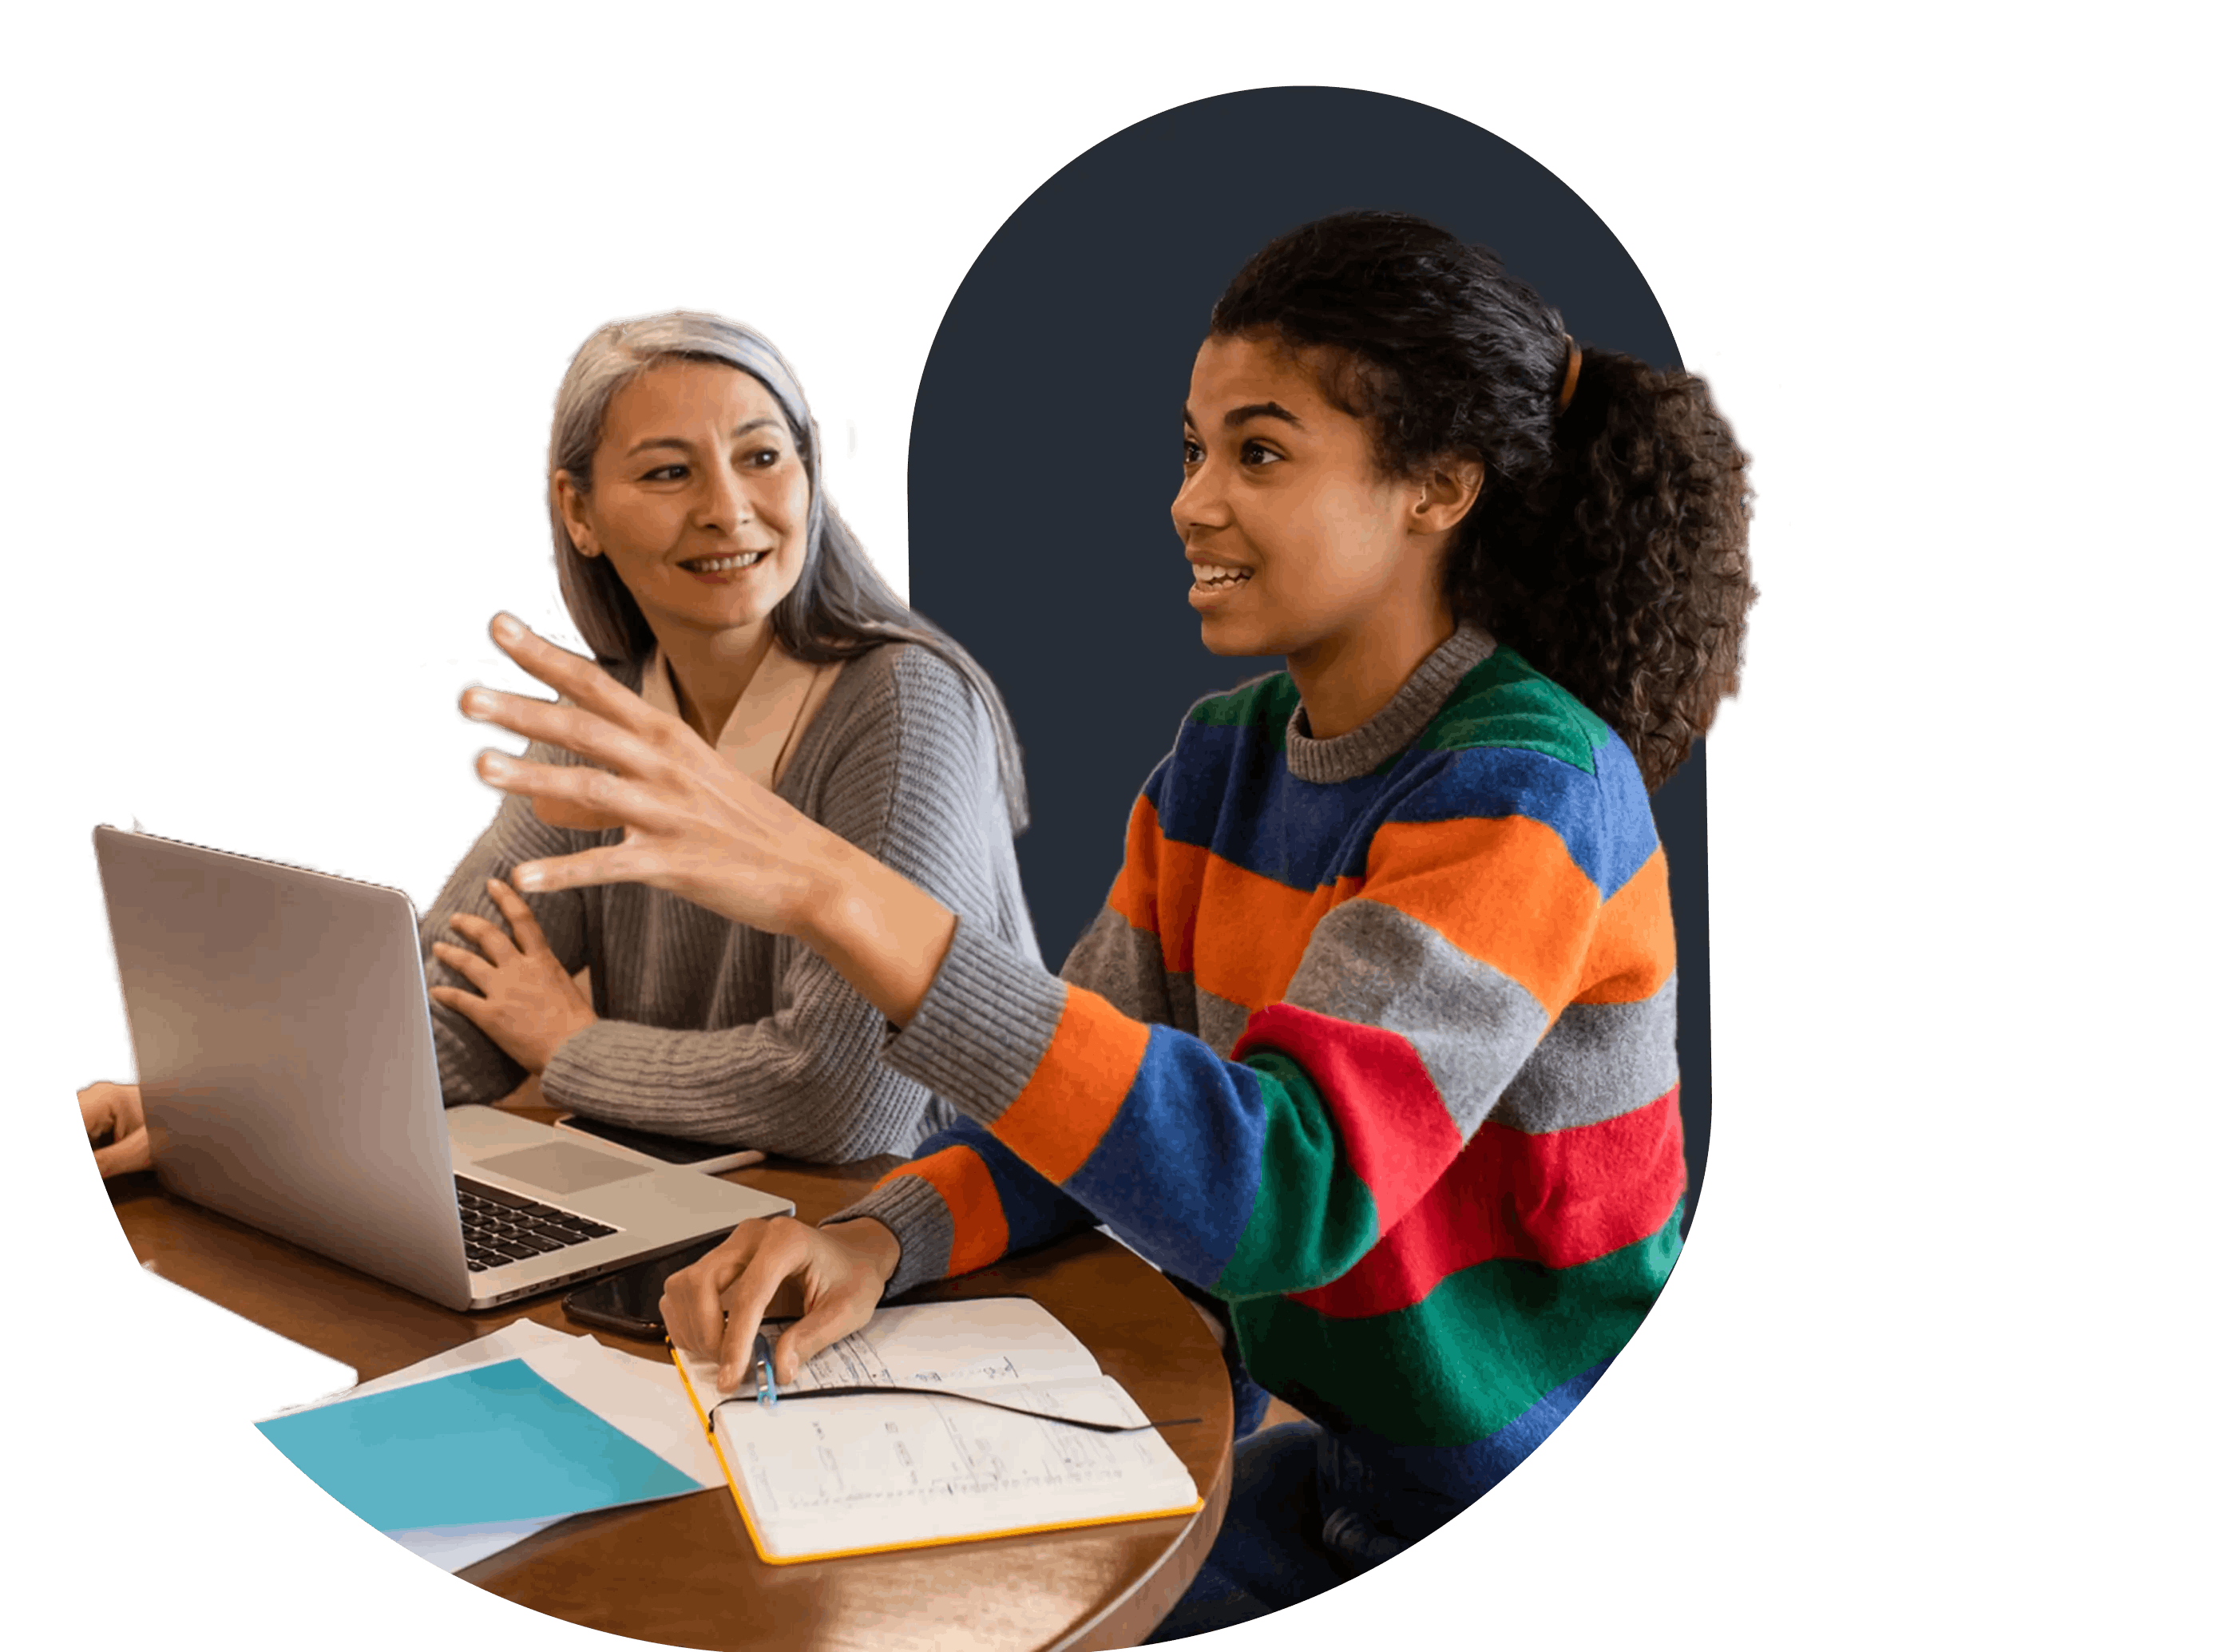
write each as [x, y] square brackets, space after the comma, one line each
[1375, 1040]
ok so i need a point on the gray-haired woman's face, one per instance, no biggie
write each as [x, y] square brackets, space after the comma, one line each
[697, 497]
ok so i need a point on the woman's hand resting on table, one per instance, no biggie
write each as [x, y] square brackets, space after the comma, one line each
[524, 998]
[833, 1277]
[114, 1110]
[694, 825]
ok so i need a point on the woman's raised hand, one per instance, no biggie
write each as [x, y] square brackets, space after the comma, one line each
[694, 825]
[691, 823]
[714, 1307]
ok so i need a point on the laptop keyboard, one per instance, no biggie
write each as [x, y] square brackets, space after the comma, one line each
[502, 1227]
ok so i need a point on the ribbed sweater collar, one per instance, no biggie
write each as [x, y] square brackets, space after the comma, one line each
[1407, 714]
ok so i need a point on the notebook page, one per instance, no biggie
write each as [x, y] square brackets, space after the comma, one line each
[994, 1341]
[877, 1472]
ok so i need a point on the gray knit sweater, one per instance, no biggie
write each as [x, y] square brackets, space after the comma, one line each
[721, 1033]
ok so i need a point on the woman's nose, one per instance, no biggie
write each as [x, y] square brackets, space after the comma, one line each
[726, 501]
[1199, 503]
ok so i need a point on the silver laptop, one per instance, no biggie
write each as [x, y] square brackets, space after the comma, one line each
[287, 1064]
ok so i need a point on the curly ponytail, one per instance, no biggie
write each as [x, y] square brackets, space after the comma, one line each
[1610, 544]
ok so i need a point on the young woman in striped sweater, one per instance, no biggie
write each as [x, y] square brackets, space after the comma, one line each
[1374, 1042]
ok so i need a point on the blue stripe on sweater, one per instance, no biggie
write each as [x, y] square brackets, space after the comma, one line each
[1227, 790]
[1186, 1218]
[1035, 1210]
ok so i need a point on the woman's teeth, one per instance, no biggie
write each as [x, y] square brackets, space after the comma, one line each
[724, 564]
[1210, 579]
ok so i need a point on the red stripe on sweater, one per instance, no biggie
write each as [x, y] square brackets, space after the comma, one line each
[1557, 1199]
[1397, 1133]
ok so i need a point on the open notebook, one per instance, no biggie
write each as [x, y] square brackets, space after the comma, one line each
[845, 1475]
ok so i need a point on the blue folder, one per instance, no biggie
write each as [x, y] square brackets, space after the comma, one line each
[472, 1448]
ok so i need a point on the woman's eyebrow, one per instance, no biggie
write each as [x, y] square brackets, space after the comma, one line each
[678, 442]
[1236, 417]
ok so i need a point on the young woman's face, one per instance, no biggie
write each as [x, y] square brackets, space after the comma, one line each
[697, 497]
[1294, 537]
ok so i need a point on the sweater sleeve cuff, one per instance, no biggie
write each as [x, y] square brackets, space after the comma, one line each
[914, 1212]
[983, 1026]
[575, 1075]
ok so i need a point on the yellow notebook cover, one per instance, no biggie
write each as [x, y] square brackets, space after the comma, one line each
[814, 1479]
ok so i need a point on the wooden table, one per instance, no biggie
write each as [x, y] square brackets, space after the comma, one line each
[683, 1571]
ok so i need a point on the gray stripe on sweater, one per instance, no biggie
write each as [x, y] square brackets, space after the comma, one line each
[1598, 1061]
[1472, 1026]
[1120, 964]
[982, 1027]
[914, 1212]
[1220, 1021]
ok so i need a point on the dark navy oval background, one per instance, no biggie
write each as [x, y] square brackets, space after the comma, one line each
[1046, 447]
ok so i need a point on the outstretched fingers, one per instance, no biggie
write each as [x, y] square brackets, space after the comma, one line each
[587, 790]
[620, 862]
[574, 677]
[592, 735]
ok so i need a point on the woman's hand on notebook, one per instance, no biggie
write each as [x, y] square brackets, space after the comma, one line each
[113, 1112]
[714, 1307]
[523, 998]
[694, 825]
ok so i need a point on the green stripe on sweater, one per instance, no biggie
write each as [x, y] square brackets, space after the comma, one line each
[1395, 1373]
[1312, 1217]
[1504, 702]
[1264, 703]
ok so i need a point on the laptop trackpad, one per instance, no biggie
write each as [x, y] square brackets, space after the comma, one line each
[561, 1167]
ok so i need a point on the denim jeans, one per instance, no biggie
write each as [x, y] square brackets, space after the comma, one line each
[1305, 1512]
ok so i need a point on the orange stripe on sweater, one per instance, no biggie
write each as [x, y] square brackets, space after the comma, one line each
[1505, 891]
[1181, 883]
[1251, 932]
[1077, 1087]
[1136, 891]
[979, 1233]
[1634, 950]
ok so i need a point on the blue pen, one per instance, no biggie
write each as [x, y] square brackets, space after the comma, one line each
[765, 1372]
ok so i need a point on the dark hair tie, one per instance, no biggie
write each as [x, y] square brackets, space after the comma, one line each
[1569, 377]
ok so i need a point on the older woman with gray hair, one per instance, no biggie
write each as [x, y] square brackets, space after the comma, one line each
[708, 573]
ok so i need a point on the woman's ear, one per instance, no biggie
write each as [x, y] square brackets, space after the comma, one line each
[574, 511]
[1445, 494]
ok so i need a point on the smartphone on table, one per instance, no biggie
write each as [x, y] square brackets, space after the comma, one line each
[705, 1156]
[629, 1302]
